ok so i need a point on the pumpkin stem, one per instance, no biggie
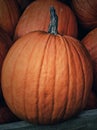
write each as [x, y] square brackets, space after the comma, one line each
[53, 21]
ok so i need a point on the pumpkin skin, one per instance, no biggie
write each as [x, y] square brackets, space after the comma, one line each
[90, 42]
[36, 17]
[9, 15]
[86, 11]
[38, 77]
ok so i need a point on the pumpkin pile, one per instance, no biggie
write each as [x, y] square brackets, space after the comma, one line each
[48, 60]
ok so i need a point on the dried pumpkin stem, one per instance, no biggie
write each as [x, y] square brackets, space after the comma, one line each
[53, 21]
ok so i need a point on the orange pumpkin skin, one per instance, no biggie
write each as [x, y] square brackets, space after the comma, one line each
[86, 11]
[9, 15]
[46, 78]
[36, 17]
[90, 42]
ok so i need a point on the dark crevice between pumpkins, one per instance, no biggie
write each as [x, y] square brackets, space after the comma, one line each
[52, 29]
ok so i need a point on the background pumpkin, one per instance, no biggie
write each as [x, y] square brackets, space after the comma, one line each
[90, 42]
[36, 17]
[86, 11]
[9, 15]
[38, 77]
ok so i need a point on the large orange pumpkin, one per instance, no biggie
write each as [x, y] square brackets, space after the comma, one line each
[86, 11]
[36, 17]
[46, 77]
[90, 42]
[9, 15]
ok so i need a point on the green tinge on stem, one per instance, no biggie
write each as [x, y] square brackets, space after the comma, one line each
[53, 21]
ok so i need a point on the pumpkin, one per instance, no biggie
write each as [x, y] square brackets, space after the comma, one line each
[9, 15]
[86, 11]
[90, 42]
[46, 77]
[36, 17]
[92, 101]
